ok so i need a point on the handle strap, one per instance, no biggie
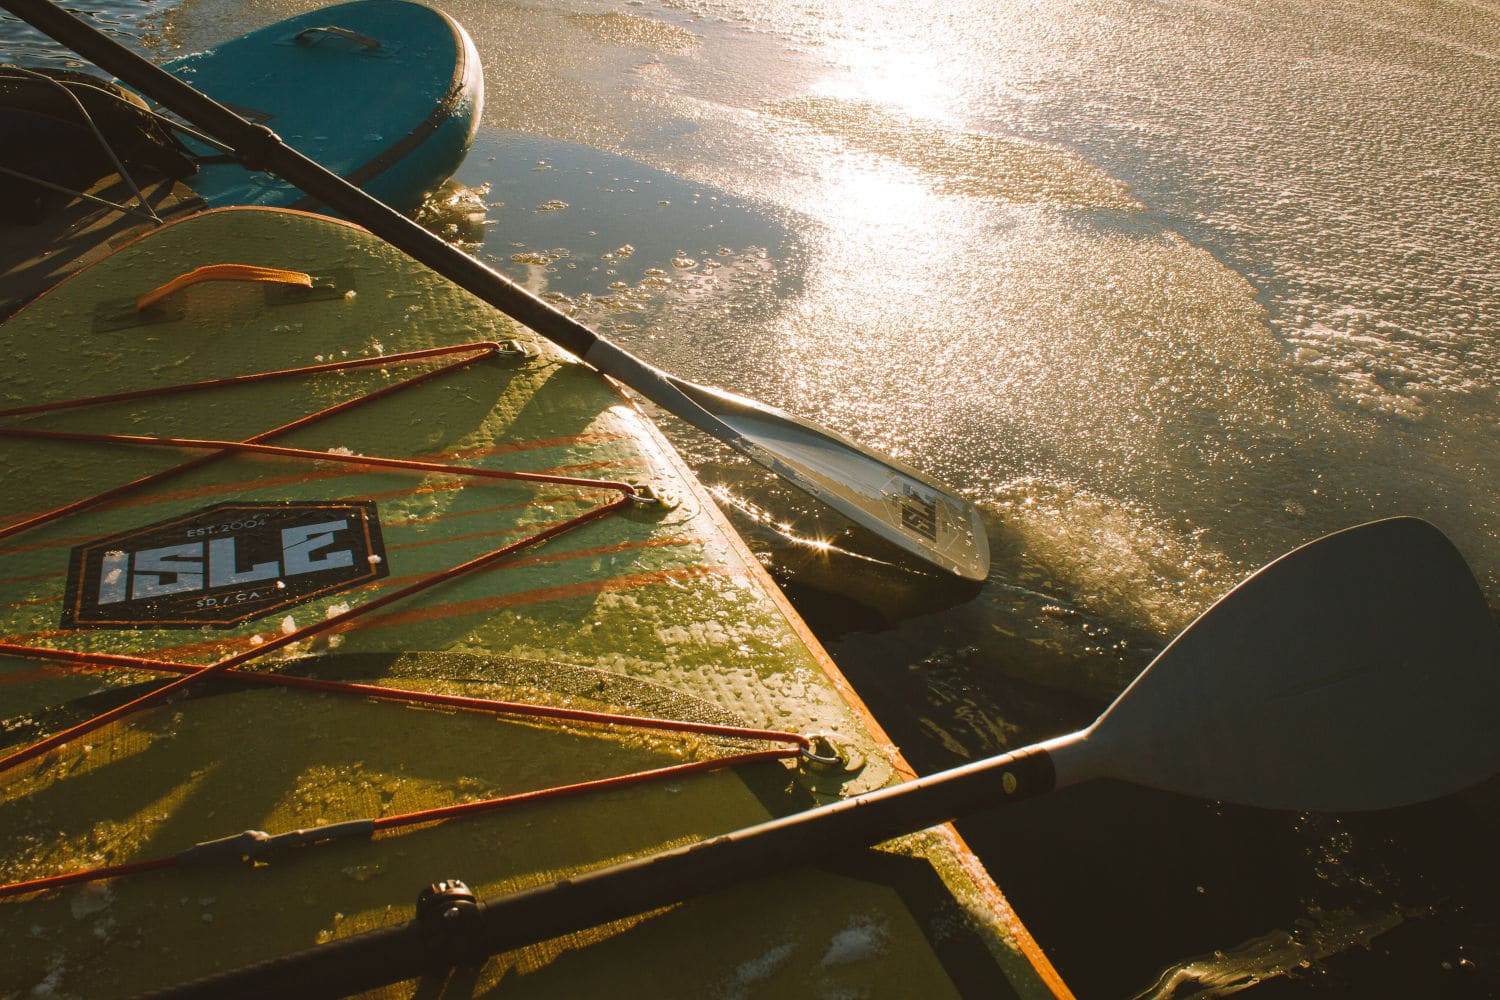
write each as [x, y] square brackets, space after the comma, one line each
[223, 272]
[330, 29]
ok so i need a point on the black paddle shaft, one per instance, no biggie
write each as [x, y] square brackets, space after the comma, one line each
[259, 148]
[365, 961]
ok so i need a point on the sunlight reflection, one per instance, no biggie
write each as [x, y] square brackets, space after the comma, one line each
[866, 197]
[883, 61]
[891, 80]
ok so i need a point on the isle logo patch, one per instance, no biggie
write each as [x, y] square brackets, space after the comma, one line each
[223, 565]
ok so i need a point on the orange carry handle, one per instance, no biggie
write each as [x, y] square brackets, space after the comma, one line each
[223, 272]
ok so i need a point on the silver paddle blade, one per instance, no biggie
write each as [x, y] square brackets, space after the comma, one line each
[1361, 671]
[894, 501]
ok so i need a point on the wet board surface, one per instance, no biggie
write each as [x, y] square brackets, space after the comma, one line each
[647, 611]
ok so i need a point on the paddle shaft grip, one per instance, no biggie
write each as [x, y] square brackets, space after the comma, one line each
[369, 960]
[260, 148]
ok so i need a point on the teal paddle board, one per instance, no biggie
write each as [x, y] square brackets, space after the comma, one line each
[386, 93]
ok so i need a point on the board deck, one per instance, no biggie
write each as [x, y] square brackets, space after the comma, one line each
[653, 611]
[385, 93]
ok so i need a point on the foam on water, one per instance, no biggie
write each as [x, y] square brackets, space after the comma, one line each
[1346, 158]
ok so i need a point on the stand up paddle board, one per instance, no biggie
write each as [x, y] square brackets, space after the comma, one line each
[385, 93]
[265, 444]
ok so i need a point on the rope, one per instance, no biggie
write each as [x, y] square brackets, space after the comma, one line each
[336, 458]
[478, 351]
[402, 695]
[306, 632]
[254, 844]
[256, 847]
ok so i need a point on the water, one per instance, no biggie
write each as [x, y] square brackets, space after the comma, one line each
[1166, 288]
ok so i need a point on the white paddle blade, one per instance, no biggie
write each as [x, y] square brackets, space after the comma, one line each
[1360, 671]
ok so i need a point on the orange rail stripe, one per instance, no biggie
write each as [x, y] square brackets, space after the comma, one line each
[32, 601]
[475, 512]
[32, 578]
[212, 648]
[544, 595]
[478, 606]
[35, 674]
[186, 651]
[422, 543]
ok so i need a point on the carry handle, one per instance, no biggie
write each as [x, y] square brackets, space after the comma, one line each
[332, 29]
[223, 272]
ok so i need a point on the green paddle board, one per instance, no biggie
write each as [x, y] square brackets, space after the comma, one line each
[277, 534]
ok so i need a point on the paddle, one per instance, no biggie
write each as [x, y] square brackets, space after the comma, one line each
[1361, 671]
[922, 518]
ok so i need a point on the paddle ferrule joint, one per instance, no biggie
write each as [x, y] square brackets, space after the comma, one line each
[257, 148]
[1027, 773]
[257, 846]
[450, 917]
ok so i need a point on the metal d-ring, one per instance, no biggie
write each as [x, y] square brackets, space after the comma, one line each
[512, 349]
[822, 752]
[646, 496]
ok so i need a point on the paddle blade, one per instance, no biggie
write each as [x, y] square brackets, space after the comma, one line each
[897, 503]
[1361, 671]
